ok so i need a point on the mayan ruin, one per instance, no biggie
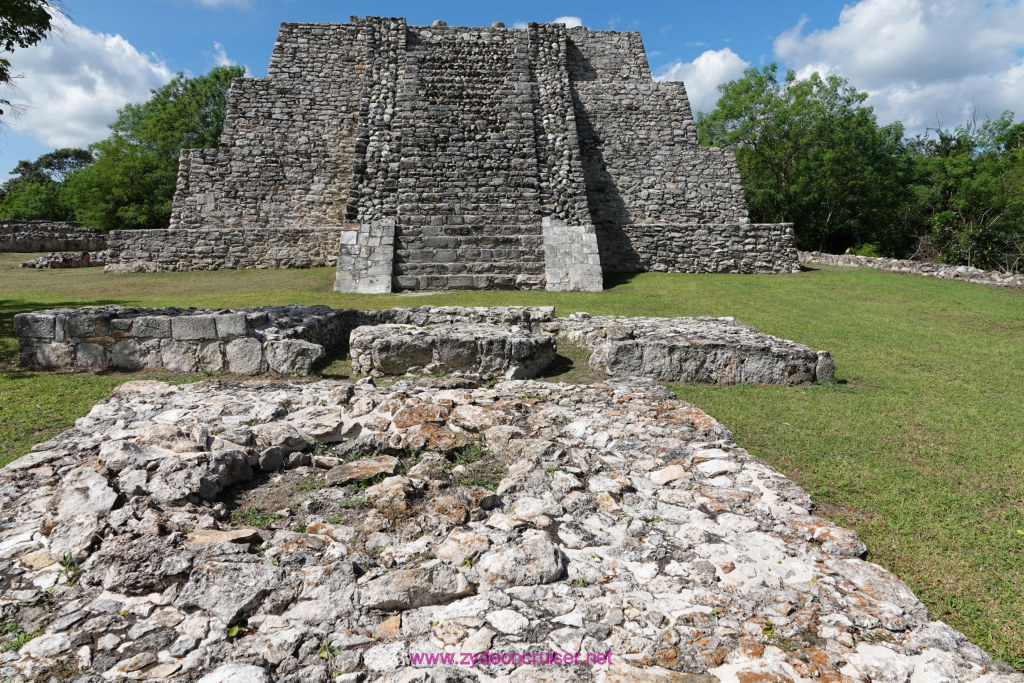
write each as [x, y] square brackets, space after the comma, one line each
[459, 158]
[450, 351]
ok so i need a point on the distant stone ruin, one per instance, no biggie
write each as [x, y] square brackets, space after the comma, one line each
[435, 157]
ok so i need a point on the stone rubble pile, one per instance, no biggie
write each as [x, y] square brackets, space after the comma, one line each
[76, 259]
[704, 350]
[436, 517]
[926, 268]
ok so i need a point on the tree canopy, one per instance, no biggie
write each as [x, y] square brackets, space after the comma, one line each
[22, 23]
[811, 153]
[132, 182]
[34, 192]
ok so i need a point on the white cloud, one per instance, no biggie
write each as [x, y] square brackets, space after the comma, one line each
[921, 61]
[220, 56]
[570, 22]
[703, 75]
[75, 82]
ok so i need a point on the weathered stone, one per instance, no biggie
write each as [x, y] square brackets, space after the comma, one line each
[244, 356]
[582, 552]
[292, 356]
[364, 468]
[433, 583]
[485, 350]
[532, 560]
[595, 186]
[37, 560]
[925, 268]
[703, 350]
[193, 327]
[229, 590]
[206, 536]
[236, 673]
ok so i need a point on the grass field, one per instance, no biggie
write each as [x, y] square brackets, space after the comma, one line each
[919, 446]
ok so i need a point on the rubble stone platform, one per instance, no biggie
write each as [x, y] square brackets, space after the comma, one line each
[437, 517]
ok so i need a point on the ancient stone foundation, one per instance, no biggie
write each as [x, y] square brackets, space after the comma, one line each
[499, 342]
[32, 236]
[225, 532]
[441, 157]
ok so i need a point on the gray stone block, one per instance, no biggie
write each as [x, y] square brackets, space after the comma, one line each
[37, 325]
[53, 355]
[211, 356]
[127, 355]
[192, 327]
[156, 326]
[292, 357]
[231, 325]
[90, 357]
[179, 355]
[244, 356]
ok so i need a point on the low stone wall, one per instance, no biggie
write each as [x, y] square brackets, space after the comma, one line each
[25, 237]
[248, 342]
[511, 342]
[701, 248]
[219, 249]
[702, 350]
[487, 351]
[925, 268]
[277, 339]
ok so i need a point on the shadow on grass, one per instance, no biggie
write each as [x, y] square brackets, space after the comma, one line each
[613, 280]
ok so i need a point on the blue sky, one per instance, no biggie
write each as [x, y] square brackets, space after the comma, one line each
[922, 61]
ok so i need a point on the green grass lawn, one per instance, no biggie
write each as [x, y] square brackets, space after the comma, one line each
[919, 447]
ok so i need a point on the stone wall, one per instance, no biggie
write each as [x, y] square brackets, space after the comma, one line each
[925, 268]
[703, 248]
[33, 236]
[278, 339]
[212, 249]
[492, 341]
[287, 151]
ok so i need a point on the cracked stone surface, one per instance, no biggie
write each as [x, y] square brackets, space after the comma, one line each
[523, 517]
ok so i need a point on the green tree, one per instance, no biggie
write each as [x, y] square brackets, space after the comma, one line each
[22, 23]
[35, 201]
[132, 183]
[970, 193]
[811, 153]
[35, 191]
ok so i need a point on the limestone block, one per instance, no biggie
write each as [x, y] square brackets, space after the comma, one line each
[703, 350]
[244, 356]
[179, 356]
[158, 326]
[90, 357]
[231, 325]
[474, 348]
[53, 356]
[38, 325]
[194, 327]
[292, 357]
